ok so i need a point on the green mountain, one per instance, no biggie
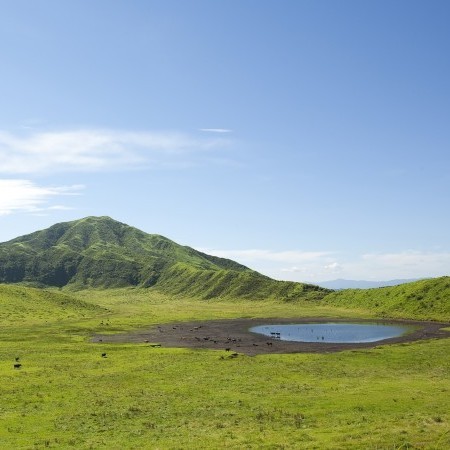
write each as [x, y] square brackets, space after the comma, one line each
[103, 253]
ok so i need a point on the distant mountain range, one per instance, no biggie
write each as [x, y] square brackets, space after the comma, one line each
[100, 252]
[361, 284]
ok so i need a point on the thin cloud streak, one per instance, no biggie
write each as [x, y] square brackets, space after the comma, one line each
[99, 150]
[24, 196]
[216, 130]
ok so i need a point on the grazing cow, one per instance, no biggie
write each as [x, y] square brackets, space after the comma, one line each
[104, 355]
[17, 366]
[269, 343]
[227, 349]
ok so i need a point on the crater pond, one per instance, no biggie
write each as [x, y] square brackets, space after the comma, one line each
[342, 333]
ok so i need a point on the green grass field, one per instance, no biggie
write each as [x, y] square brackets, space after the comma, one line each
[66, 395]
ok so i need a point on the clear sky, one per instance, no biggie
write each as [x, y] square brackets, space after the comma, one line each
[307, 139]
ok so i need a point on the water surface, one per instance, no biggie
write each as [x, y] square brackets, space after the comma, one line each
[341, 333]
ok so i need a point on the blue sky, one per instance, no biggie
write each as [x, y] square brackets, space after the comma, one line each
[309, 140]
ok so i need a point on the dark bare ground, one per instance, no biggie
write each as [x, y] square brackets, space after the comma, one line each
[233, 335]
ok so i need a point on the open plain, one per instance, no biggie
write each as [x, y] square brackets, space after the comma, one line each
[73, 392]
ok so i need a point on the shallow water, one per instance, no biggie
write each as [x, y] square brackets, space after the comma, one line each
[342, 333]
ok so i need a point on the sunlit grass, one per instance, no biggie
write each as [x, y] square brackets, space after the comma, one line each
[66, 395]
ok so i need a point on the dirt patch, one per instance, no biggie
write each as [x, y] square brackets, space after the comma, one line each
[233, 335]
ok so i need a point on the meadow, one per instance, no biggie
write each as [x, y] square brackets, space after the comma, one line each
[66, 395]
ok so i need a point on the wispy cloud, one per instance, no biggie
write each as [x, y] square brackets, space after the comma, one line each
[315, 266]
[408, 264]
[333, 267]
[252, 255]
[97, 149]
[373, 266]
[216, 130]
[294, 265]
[26, 196]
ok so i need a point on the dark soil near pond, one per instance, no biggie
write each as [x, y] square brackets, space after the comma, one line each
[233, 336]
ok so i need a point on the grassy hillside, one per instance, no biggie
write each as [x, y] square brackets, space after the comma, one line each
[181, 279]
[21, 306]
[424, 299]
[100, 252]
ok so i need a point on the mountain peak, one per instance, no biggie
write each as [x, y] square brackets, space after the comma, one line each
[102, 252]
[78, 234]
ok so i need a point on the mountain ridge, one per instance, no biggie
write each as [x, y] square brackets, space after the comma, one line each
[102, 252]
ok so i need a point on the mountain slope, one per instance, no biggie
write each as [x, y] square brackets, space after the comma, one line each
[182, 279]
[424, 299]
[20, 305]
[101, 252]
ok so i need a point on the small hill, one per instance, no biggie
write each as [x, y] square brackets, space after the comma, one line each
[424, 299]
[24, 305]
[103, 253]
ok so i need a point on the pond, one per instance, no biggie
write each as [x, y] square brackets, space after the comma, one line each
[342, 333]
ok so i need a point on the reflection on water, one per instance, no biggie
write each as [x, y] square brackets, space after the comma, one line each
[332, 332]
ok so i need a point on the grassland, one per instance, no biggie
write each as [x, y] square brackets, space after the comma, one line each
[66, 395]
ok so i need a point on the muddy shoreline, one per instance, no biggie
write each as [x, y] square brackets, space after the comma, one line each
[233, 335]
